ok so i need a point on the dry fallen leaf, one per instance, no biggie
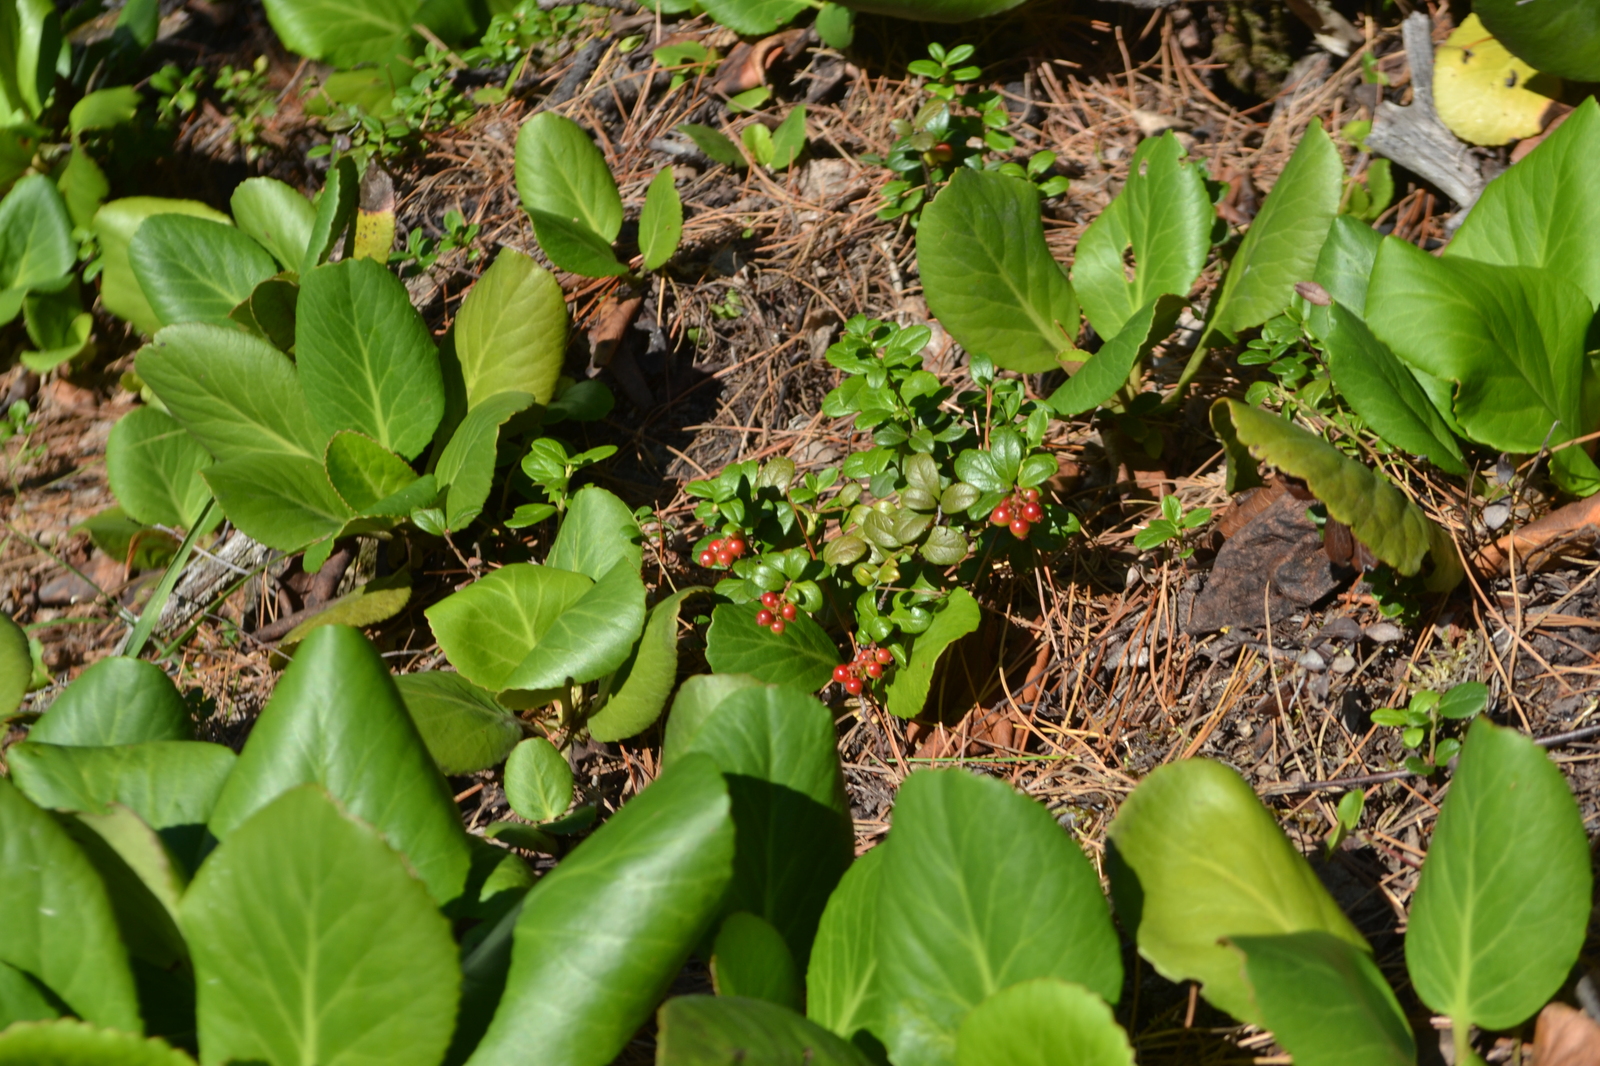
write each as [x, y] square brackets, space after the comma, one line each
[1485, 94]
[1565, 1037]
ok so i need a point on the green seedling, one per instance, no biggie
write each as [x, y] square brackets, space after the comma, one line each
[1174, 525]
[1420, 719]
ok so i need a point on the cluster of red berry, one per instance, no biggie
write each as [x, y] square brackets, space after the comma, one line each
[775, 612]
[1020, 512]
[723, 551]
[869, 662]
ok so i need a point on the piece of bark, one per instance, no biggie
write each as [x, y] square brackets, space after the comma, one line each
[1415, 137]
[205, 576]
[1537, 543]
[611, 324]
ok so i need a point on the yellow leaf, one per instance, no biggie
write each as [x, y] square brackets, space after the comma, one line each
[1485, 94]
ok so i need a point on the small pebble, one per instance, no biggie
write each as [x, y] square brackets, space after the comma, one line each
[1343, 664]
[1310, 660]
[1339, 629]
[1383, 633]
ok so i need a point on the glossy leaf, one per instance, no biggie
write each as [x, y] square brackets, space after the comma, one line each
[842, 985]
[115, 701]
[167, 783]
[1043, 1022]
[114, 227]
[750, 959]
[312, 942]
[153, 466]
[276, 216]
[55, 919]
[462, 725]
[538, 780]
[31, 31]
[715, 1030]
[1539, 212]
[754, 16]
[16, 666]
[283, 501]
[661, 221]
[36, 246]
[238, 395]
[336, 720]
[908, 688]
[601, 937]
[589, 639]
[1326, 1001]
[103, 109]
[574, 247]
[511, 332]
[560, 172]
[1383, 391]
[1163, 218]
[466, 466]
[775, 745]
[69, 1042]
[346, 33]
[1281, 248]
[270, 312]
[195, 270]
[803, 655]
[489, 627]
[1491, 935]
[1198, 858]
[366, 358]
[1562, 39]
[364, 472]
[697, 698]
[1108, 369]
[638, 691]
[1394, 528]
[336, 209]
[989, 276]
[1343, 268]
[144, 883]
[598, 533]
[24, 999]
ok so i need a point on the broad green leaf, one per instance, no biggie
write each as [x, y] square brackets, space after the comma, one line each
[270, 311]
[716, 1030]
[842, 980]
[1108, 369]
[538, 780]
[464, 728]
[489, 627]
[661, 221]
[1499, 914]
[637, 692]
[697, 697]
[336, 209]
[313, 943]
[988, 275]
[803, 655]
[16, 666]
[1380, 516]
[116, 701]
[153, 466]
[715, 144]
[277, 216]
[1043, 1022]
[1326, 1001]
[196, 270]
[336, 720]
[238, 395]
[789, 139]
[1343, 268]
[55, 919]
[30, 39]
[511, 332]
[981, 889]
[1383, 391]
[144, 883]
[1562, 39]
[364, 472]
[836, 26]
[57, 325]
[754, 16]
[598, 533]
[365, 356]
[776, 747]
[69, 1042]
[1539, 212]
[908, 687]
[36, 246]
[1163, 218]
[346, 33]
[602, 936]
[103, 109]
[83, 186]
[377, 601]
[1198, 858]
[23, 999]
[574, 247]
[167, 783]
[1281, 248]
[485, 961]
[466, 466]
[560, 172]
[120, 537]
[750, 959]
[283, 501]
[589, 639]
[114, 227]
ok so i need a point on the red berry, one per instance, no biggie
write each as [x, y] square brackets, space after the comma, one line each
[769, 599]
[724, 557]
[861, 656]
[788, 610]
[1020, 528]
[1031, 495]
[884, 656]
[1032, 511]
[764, 618]
[736, 546]
[777, 626]
[841, 673]
[854, 686]
[707, 557]
[1001, 516]
[875, 669]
